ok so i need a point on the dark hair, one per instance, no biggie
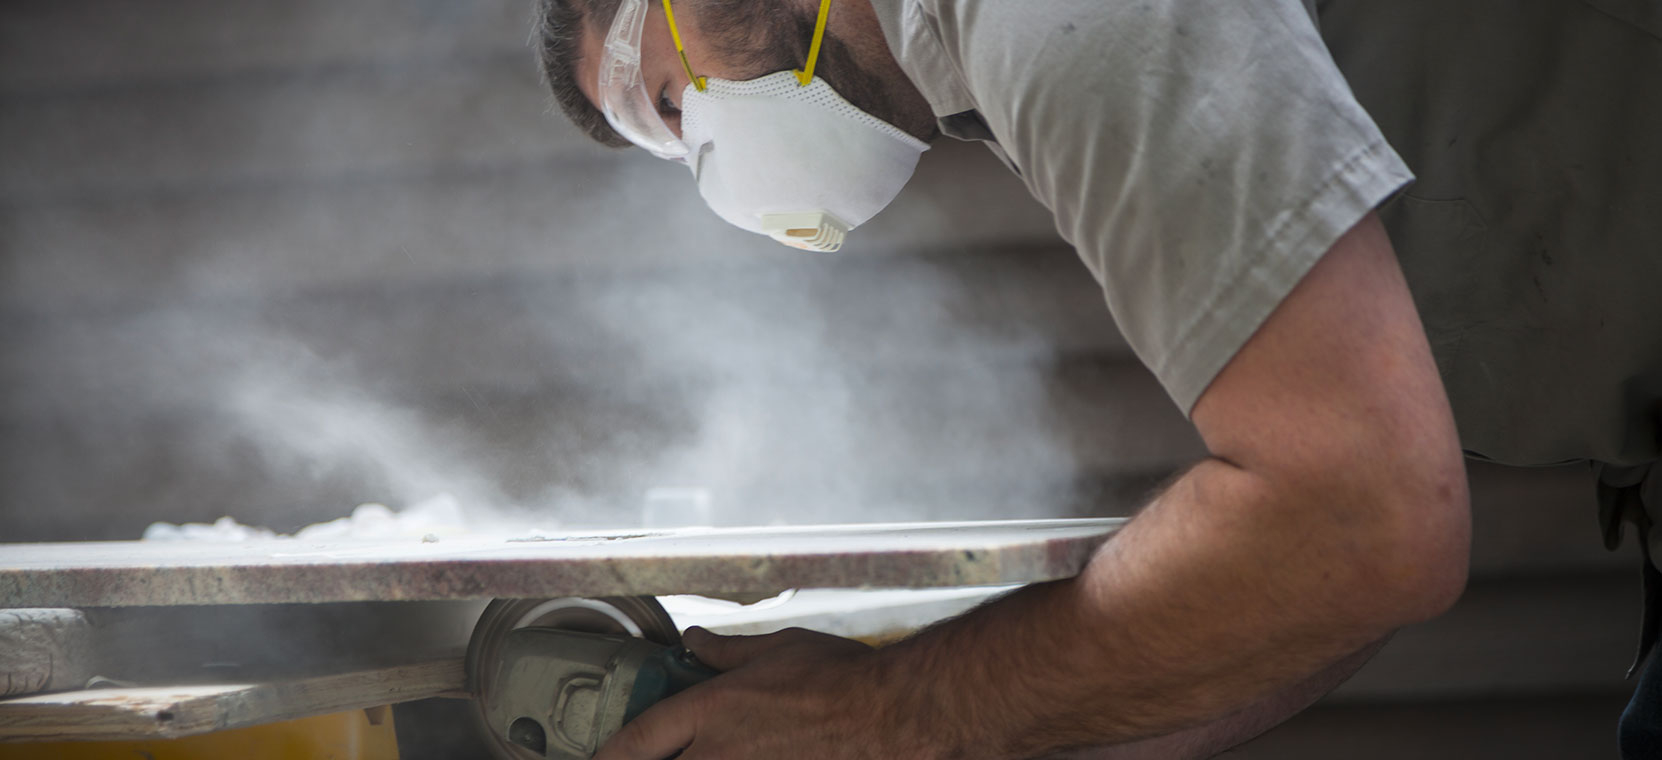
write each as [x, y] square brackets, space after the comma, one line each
[558, 36]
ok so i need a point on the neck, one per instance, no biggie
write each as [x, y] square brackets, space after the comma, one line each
[854, 23]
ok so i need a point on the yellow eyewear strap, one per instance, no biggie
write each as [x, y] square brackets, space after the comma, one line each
[804, 75]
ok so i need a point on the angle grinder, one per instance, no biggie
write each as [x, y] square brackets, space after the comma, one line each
[556, 678]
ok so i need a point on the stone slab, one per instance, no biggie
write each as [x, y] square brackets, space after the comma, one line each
[684, 561]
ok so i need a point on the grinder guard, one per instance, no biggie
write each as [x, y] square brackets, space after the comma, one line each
[551, 683]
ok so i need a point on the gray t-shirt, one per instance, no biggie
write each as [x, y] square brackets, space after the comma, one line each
[1203, 154]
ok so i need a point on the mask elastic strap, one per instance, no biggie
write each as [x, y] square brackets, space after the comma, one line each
[805, 74]
[675, 34]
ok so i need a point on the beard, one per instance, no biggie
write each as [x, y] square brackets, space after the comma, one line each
[763, 38]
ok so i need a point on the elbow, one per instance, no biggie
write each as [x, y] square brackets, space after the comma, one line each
[1414, 565]
[1386, 535]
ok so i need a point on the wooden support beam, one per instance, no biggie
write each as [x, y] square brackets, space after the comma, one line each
[44, 649]
[174, 711]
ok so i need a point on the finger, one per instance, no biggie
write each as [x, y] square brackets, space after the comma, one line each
[660, 732]
[729, 652]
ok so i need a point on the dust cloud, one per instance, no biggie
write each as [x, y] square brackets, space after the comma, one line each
[277, 281]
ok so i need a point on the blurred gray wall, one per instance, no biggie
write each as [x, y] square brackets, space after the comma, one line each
[272, 259]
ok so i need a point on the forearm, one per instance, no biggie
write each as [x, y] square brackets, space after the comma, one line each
[1215, 597]
[1235, 729]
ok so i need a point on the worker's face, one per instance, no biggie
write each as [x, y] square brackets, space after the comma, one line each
[722, 44]
[787, 163]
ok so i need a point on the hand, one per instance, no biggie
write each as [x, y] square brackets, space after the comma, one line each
[793, 694]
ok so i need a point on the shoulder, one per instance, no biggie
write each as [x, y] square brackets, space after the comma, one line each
[1201, 155]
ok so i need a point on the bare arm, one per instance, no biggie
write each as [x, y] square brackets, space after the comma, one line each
[1331, 511]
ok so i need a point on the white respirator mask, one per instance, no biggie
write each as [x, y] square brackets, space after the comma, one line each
[783, 155]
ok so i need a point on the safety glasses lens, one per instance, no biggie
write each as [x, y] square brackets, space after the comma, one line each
[624, 98]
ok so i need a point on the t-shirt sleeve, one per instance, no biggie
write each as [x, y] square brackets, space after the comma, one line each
[1202, 155]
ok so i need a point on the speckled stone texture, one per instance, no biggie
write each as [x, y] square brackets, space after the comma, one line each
[707, 561]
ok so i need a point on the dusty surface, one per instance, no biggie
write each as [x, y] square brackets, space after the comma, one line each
[42, 649]
[171, 711]
[877, 616]
[731, 560]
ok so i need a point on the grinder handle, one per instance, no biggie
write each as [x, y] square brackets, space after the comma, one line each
[668, 672]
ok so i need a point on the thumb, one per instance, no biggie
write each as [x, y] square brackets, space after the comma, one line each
[728, 652]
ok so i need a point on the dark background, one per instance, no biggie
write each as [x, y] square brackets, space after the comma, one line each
[273, 259]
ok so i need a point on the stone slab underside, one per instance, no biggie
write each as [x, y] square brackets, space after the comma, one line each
[686, 561]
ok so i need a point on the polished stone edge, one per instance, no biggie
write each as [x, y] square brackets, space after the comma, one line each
[737, 561]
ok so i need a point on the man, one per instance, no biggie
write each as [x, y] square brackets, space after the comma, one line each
[1233, 174]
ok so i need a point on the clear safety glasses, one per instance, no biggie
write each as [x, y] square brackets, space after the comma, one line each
[629, 107]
